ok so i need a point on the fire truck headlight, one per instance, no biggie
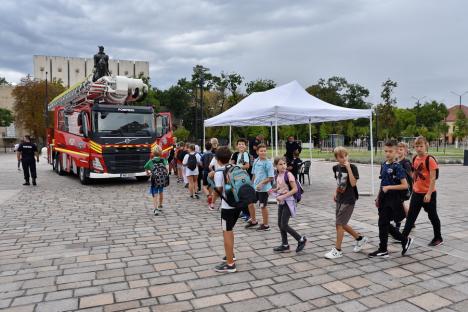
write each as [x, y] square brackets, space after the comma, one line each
[97, 164]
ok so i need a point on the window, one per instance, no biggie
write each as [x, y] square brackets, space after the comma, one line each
[61, 120]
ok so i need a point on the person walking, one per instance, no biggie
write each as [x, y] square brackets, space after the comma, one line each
[26, 153]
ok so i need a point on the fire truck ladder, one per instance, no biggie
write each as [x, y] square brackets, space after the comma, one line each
[107, 89]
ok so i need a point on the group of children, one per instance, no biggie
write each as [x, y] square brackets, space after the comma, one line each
[401, 180]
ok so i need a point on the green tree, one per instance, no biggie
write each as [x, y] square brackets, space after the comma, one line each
[404, 119]
[4, 82]
[259, 85]
[430, 113]
[325, 130]
[181, 134]
[6, 117]
[385, 110]
[234, 81]
[460, 129]
[176, 100]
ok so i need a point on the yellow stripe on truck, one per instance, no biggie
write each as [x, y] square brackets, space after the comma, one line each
[63, 150]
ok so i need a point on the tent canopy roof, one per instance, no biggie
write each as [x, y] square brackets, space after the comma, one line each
[288, 104]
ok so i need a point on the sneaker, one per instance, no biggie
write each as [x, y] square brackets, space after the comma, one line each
[234, 258]
[360, 244]
[34, 182]
[334, 254]
[407, 246]
[226, 268]
[378, 254]
[263, 227]
[196, 196]
[191, 196]
[26, 183]
[156, 211]
[211, 207]
[186, 185]
[281, 248]
[250, 224]
[436, 242]
[301, 244]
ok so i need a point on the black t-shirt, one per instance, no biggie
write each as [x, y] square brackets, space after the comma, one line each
[345, 193]
[27, 150]
[251, 148]
[291, 147]
[296, 165]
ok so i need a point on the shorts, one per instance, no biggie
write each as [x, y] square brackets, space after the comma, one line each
[343, 213]
[156, 190]
[229, 218]
[205, 178]
[262, 197]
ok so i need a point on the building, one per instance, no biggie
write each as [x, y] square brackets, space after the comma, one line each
[13, 133]
[71, 70]
[450, 120]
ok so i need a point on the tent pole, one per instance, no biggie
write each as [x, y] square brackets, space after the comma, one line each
[372, 154]
[276, 133]
[204, 133]
[230, 133]
[310, 140]
[271, 139]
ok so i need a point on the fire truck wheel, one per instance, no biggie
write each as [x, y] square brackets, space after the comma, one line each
[59, 166]
[142, 178]
[82, 174]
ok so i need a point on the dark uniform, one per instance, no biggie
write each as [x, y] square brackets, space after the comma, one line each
[28, 150]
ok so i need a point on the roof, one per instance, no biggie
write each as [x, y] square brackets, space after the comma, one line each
[452, 112]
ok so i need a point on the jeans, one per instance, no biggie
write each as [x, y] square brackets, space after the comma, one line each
[284, 214]
[416, 203]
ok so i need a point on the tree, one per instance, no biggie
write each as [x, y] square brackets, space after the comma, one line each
[405, 121]
[385, 111]
[4, 82]
[430, 113]
[152, 96]
[6, 117]
[220, 84]
[29, 107]
[259, 85]
[181, 134]
[175, 99]
[234, 81]
[460, 129]
[325, 130]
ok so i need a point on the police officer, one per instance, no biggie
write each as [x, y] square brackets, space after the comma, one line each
[26, 152]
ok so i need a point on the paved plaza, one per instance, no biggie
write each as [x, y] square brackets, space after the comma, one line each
[68, 247]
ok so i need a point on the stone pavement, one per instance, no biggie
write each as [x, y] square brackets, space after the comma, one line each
[68, 247]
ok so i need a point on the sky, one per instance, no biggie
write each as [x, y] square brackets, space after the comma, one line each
[421, 44]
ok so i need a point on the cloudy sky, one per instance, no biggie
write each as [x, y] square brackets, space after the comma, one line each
[422, 44]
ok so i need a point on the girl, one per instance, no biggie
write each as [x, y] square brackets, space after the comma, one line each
[285, 189]
[191, 162]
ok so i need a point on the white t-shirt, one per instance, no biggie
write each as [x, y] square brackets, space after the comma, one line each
[189, 172]
[214, 163]
[219, 182]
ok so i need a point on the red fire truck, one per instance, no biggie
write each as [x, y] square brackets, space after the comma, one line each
[97, 133]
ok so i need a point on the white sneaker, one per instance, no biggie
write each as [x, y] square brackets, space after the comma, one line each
[334, 254]
[360, 244]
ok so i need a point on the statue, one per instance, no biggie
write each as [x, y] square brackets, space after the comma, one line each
[101, 64]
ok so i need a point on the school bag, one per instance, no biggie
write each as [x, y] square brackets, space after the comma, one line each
[235, 155]
[426, 164]
[159, 174]
[300, 189]
[404, 194]
[237, 187]
[206, 160]
[192, 162]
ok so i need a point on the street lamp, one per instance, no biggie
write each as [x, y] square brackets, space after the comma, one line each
[460, 96]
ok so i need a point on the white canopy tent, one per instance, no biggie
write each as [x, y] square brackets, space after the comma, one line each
[288, 104]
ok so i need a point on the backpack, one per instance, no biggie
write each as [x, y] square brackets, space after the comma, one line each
[159, 174]
[235, 155]
[206, 160]
[192, 162]
[426, 164]
[404, 194]
[300, 189]
[238, 188]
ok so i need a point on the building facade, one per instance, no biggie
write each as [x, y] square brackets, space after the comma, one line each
[70, 70]
[450, 121]
[12, 134]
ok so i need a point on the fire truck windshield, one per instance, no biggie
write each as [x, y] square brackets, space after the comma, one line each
[123, 124]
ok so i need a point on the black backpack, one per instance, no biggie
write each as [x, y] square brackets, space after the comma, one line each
[207, 158]
[409, 178]
[192, 162]
[404, 194]
[426, 164]
[251, 161]
[159, 174]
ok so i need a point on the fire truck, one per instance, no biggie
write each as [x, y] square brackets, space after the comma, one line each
[97, 133]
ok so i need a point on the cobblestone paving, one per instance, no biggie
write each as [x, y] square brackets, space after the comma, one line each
[67, 247]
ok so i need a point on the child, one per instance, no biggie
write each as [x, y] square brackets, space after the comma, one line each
[179, 158]
[171, 160]
[191, 162]
[346, 194]
[229, 215]
[406, 165]
[295, 164]
[242, 159]
[184, 172]
[263, 174]
[424, 190]
[388, 202]
[156, 190]
[207, 157]
[286, 206]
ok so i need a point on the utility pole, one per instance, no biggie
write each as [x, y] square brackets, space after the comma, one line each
[460, 97]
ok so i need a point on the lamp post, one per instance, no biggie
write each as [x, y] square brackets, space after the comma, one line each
[460, 97]
[202, 83]
[46, 115]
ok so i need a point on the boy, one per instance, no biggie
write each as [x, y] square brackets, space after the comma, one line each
[388, 202]
[263, 174]
[406, 165]
[229, 215]
[346, 194]
[191, 162]
[179, 158]
[295, 164]
[242, 159]
[156, 188]
[424, 191]
[207, 157]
